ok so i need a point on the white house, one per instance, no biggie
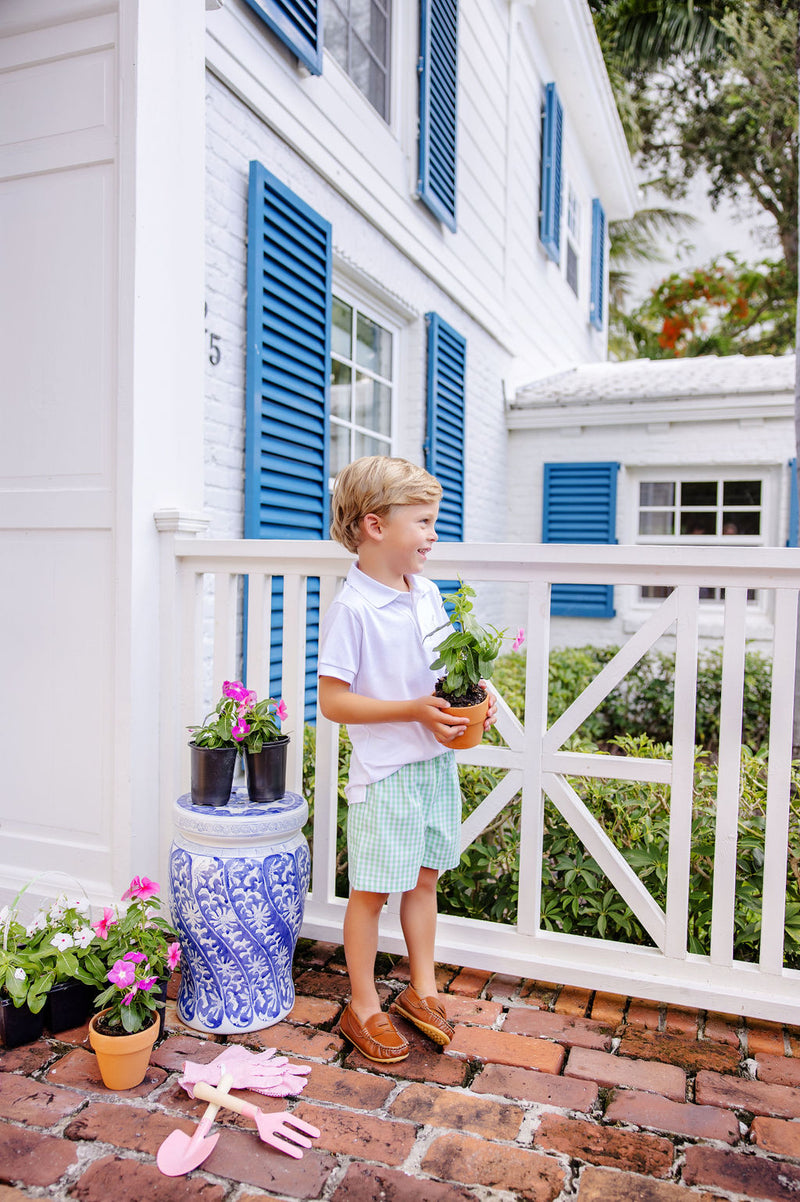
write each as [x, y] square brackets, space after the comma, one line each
[239, 247]
[697, 452]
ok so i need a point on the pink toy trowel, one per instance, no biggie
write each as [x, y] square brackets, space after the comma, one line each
[181, 1153]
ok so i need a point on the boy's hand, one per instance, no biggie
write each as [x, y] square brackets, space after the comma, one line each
[432, 713]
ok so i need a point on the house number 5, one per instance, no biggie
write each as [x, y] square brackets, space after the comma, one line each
[214, 348]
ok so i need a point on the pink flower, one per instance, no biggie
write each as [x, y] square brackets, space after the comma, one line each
[281, 709]
[141, 887]
[234, 689]
[126, 1001]
[519, 640]
[123, 974]
[173, 955]
[147, 983]
[240, 729]
[135, 957]
[249, 698]
[108, 920]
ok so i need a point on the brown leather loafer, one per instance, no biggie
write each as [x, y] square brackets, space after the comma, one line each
[425, 1013]
[378, 1039]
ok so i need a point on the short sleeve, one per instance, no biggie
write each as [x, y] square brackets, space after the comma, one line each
[340, 644]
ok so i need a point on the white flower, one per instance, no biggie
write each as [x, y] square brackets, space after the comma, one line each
[82, 905]
[62, 941]
[83, 936]
[58, 909]
[37, 923]
[19, 974]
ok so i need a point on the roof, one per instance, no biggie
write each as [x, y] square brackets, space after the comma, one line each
[662, 379]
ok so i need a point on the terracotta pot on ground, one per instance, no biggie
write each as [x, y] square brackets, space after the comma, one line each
[475, 716]
[122, 1059]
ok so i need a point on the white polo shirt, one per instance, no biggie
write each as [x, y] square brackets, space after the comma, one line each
[381, 642]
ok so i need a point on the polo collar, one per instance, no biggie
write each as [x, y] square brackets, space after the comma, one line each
[377, 594]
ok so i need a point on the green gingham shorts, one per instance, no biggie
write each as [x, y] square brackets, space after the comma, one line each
[407, 821]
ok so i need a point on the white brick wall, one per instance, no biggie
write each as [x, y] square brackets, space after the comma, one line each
[234, 137]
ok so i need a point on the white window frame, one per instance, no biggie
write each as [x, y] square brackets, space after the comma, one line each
[573, 232]
[362, 302]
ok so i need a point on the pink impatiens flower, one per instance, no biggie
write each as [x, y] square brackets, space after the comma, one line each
[108, 920]
[519, 640]
[281, 709]
[123, 974]
[141, 887]
[241, 729]
[234, 689]
[173, 956]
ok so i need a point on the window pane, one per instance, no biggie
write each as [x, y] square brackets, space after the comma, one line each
[339, 448]
[699, 492]
[373, 346]
[341, 328]
[367, 74]
[657, 493]
[572, 268]
[741, 492]
[655, 591]
[336, 33]
[363, 444]
[369, 22]
[373, 405]
[699, 523]
[657, 523]
[741, 523]
[341, 377]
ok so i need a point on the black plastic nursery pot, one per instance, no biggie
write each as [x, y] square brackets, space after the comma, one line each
[69, 1004]
[265, 770]
[212, 774]
[18, 1025]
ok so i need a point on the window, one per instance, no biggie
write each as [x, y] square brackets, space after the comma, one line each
[699, 511]
[573, 238]
[362, 357]
[358, 35]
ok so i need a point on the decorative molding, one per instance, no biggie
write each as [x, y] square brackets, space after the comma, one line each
[180, 521]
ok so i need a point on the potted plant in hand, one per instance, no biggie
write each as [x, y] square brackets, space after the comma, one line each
[468, 657]
[213, 750]
[258, 733]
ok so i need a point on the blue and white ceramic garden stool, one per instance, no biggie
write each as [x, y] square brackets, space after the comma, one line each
[238, 880]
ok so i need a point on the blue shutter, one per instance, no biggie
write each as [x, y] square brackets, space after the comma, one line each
[794, 508]
[597, 290]
[288, 351]
[580, 506]
[444, 445]
[298, 24]
[550, 198]
[438, 118]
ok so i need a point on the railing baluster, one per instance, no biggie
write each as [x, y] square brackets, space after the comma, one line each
[532, 810]
[776, 834]
[258, 594]
[326, 781]
[225, 651]
[294, 672]
[728, 777]
[680, 814]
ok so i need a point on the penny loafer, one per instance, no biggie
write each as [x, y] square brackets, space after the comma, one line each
[427, 1014]
[378, 1039]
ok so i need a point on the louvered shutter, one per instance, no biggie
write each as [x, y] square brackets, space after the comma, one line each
[298, 24]
[794, 508]
[288, 352]
[444, 445]
[550, 196]
[438, 117]
[580, 506]
[598, 266]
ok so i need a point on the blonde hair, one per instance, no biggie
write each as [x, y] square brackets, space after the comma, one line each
[373, 485]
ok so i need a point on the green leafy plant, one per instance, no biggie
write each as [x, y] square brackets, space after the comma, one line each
[239, 719]
[468, 654]
[57, 945]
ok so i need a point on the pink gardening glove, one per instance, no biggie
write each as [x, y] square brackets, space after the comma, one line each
[263, 1072]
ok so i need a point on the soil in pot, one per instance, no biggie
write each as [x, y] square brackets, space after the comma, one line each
[471, 705]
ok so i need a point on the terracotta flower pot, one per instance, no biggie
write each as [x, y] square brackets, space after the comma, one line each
[122, 1059]
[475, 716]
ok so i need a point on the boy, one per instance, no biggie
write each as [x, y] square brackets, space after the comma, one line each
[376, 644]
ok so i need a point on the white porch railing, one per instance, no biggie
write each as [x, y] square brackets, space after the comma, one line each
[201, 649]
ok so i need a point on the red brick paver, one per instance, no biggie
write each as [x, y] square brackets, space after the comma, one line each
[543, 1088]
[753, 1176]
[606, 1069]
[471, 1161]
[678, 1118]
[578, 1138]
[781, 1101]
[474, 1043]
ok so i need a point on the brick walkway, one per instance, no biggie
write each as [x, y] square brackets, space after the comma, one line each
[546, 1093]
